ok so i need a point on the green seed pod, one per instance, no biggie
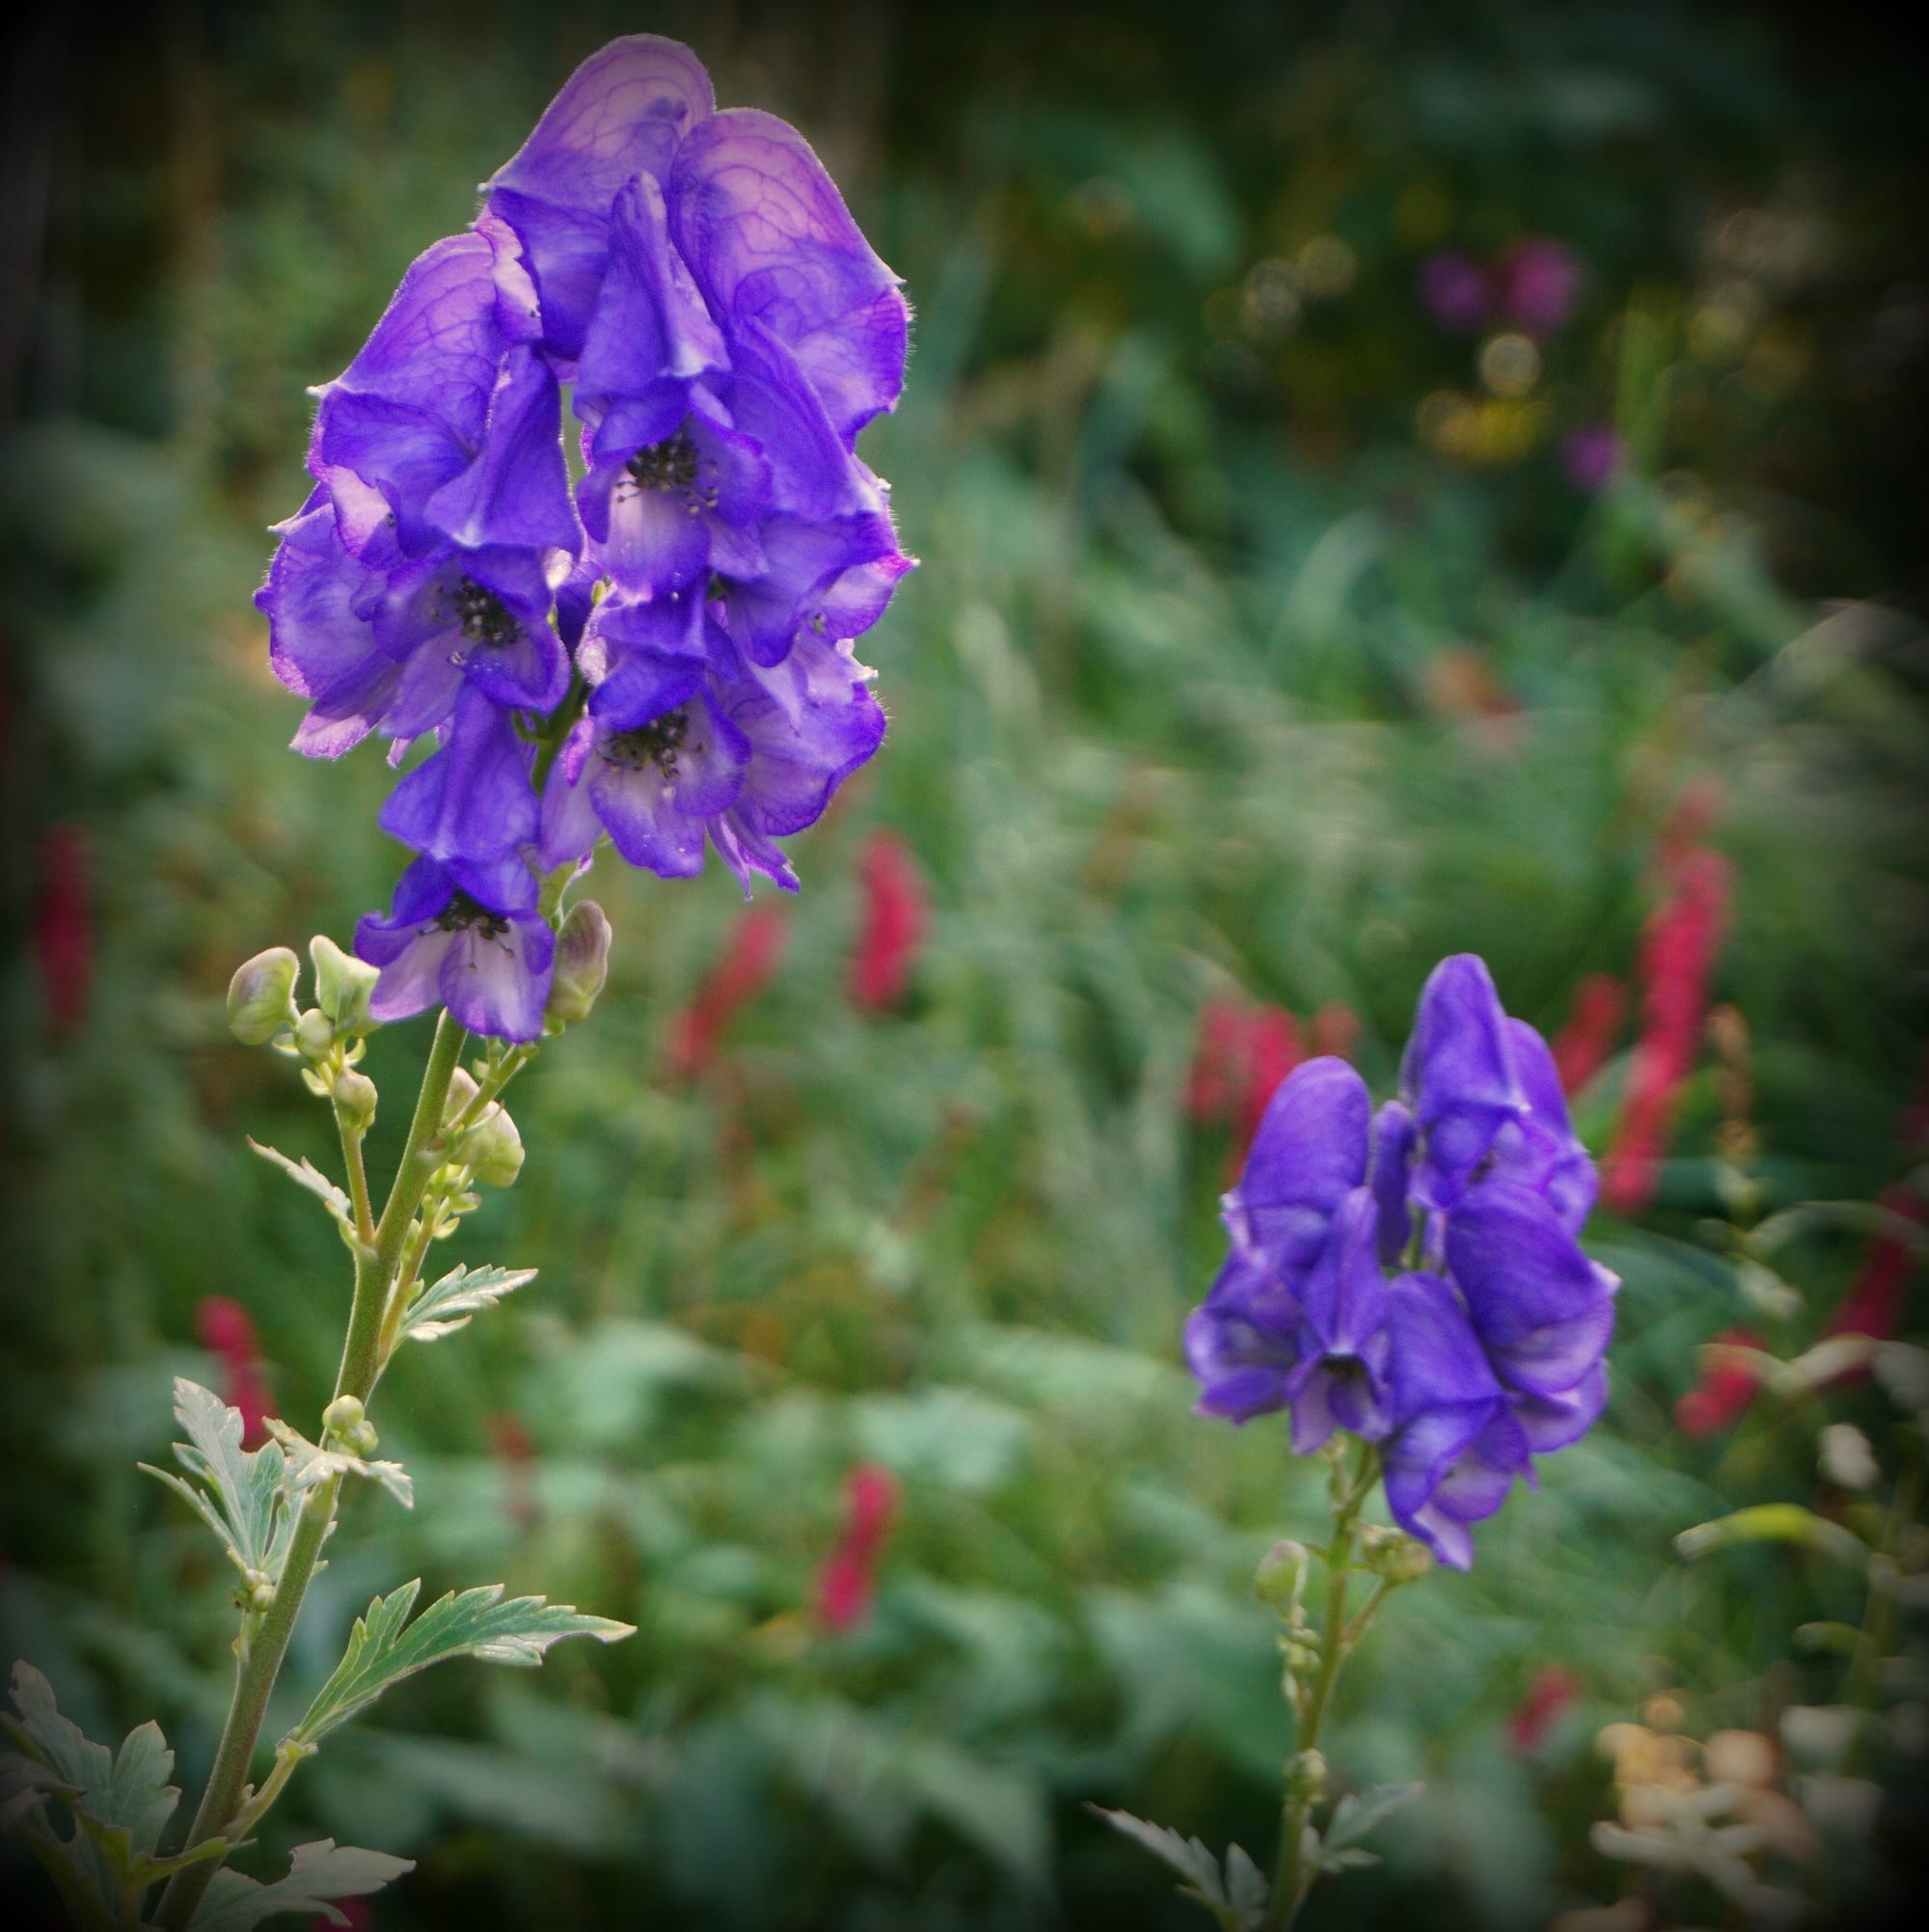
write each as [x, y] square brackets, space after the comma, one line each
[582, 965]
[342, 984]
[262, 995]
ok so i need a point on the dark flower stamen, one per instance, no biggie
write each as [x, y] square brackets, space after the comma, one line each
[668, 465]
[485, 617]
[463, 915]
[656, 743]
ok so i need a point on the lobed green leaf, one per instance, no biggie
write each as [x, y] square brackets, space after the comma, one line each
[320, 1875]
[462, 1293]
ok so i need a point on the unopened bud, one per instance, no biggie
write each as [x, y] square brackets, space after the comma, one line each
[342, 984]
[314, 1037]
[355, 1100]
[262, 1595]
[1306, 1777]
[1281, 1575]
[492, 1150]
[343, 1413]
[262, 995]
[582, 965]
[461, 1091]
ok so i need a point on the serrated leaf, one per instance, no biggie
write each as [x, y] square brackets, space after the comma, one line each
[1247, 1891]
[383, 1647]
[462, 1293]
[309, 1465]
[319, 1875]
[1774, 1523]
[243, 1503]
[1189, 1858]
[1356, 1817]
[304, 1173]
[1348, 1859]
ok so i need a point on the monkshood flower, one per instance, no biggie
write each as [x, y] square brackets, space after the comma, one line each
[468, 937]
[1412, 1275]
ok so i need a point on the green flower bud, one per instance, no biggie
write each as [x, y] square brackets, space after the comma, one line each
[343, 1413]
[262, 1595]
[492, 1150]
[461, 1091]
[582, 965]
[262, 995]
[1306, 1777]
[314, 1036]
[1281, 1575]
[342, 984]
[1394, 1555]
[355, 1100]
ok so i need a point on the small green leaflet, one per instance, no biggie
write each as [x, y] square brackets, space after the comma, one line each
[474, 1623]
[460, 1294]
[1774, 1523]
[243, 1500]
[304, 1173]
[319, 1876]
[309, 1464]
[1354, 1818]
[1237, 1900]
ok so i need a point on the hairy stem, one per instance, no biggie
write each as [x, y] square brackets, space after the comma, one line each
[259, 1655]
[1293, 1874]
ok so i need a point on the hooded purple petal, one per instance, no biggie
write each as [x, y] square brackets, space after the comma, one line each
[516, 492]
[1390, 1174]
[1457, 1076]
[620, 114]
[1309, 1154]
[471, 799]
[1540, 1150]
[769, 238]
[1240, 1342]
[1544, 1310]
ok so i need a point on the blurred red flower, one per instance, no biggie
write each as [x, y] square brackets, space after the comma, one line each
[748, 964]
[847, 1580]
[227, 1331]
[1678, 950]
[896, 911]
[64, 926]
[1582, 1047]
[1553, 1689]
[1724, 1388]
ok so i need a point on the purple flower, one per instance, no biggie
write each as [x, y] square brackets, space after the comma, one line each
[470, 798]
[466, 937]
[1540, 281]
[1591, 456]
[1489, 1351]
[686, 742]
[1456, 291]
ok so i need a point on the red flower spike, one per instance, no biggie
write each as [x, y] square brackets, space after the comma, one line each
[1554, 1690]
[227, 1331]
[748, 964]
[895, 916]
[847, 1582]
[1582, 1047]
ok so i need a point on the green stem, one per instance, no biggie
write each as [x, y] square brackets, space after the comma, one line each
[375, 1267]
[1293, 1876]
[259, 1657]
[256, 1669]
[358, 1177]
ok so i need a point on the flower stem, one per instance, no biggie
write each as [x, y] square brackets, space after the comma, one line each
[259, 1654]
[1293, 1872]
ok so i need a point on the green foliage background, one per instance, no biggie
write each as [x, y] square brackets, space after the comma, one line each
[1174, 716]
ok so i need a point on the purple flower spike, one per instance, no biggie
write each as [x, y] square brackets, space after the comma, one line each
[465, 937]
[1310, 1153]
[770, 239]
[619, 114]
[1540, 1150]
[1457, 1076]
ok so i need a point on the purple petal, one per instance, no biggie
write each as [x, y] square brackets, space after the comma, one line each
[472, 798]
[516, 492]
[1539, 1150]
[1553, 1421]
[1389, 1174]
[496, 977]
[1457, 1076]
[620, 114]
[1544, 1310]
[1344, 1293]
[832, 576]
[1309, 1154]
[769, 237]
[644, 825]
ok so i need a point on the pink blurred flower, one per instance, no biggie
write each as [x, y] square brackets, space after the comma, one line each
[1335, 1030]
[227, 1331]
[1873, 1305]
[1243, 1052]
[356, 1916]
[847, 1580]
[1678, 950]
[1273, 1049]
[515, 1455]
[749, 963]
[1536, 281]
[1553, 1689]
[1457, 292]
[1590, 454]
[63, 926]
[1582, 1047]
[1724, 1391]
[894, 927]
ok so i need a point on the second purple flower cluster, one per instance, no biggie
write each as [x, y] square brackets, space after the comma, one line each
[1413, 1275]
[662, 654]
